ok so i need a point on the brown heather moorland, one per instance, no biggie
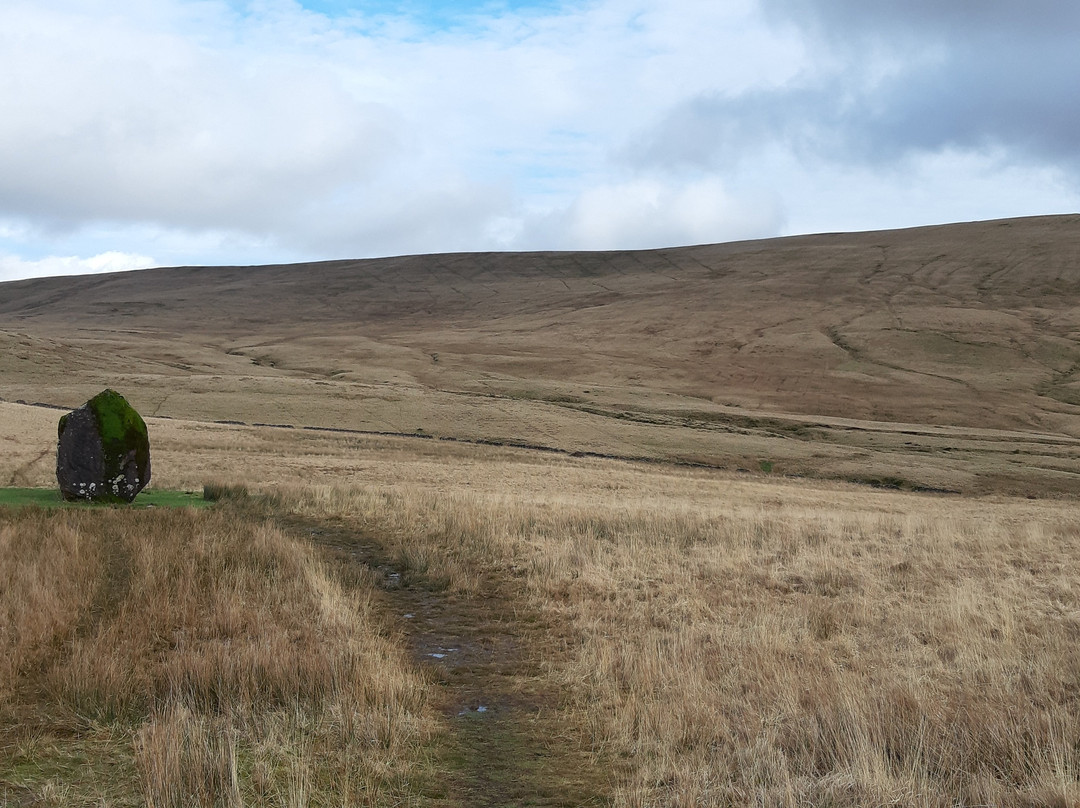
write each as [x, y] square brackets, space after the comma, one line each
[803, 530]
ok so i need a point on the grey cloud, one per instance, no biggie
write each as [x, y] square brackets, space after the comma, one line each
[1003, 99]
[717, 132]
[986, 75]
[838, 20]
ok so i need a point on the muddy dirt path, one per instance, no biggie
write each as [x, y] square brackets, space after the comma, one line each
[507, 741]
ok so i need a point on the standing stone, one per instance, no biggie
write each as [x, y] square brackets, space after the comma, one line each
[102, 451]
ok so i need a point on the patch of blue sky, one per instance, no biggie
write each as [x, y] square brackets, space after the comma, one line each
[434, 14]
[552, 165]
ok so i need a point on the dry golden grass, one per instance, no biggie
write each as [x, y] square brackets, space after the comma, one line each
[781, 644]
[179, 658]
[712, 639]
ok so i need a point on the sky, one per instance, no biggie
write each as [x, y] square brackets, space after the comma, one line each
[139, 133]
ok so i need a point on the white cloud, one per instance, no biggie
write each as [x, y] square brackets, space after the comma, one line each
[949, 185]
[13, 268]
[137, 117]
[652, 212]
[324, 134]
[221, 131]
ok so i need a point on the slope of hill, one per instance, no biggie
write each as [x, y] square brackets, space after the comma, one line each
[942, 357]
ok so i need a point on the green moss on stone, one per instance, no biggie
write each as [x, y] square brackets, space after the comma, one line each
[117, 420]
[121, 428]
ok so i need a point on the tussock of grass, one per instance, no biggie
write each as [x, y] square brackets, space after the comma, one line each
[826, 650]
[216, 491]
[240, 670]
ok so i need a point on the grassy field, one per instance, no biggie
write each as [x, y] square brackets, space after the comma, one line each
[789, 523]
[635, 634]
[177, 657]
[763, 643]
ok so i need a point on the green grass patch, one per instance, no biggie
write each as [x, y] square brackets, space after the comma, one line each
[148, 498]
[94, 769]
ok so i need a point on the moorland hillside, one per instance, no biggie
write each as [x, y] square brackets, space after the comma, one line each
[957, 338]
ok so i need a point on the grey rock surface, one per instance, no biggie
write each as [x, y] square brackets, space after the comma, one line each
[102, 451]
